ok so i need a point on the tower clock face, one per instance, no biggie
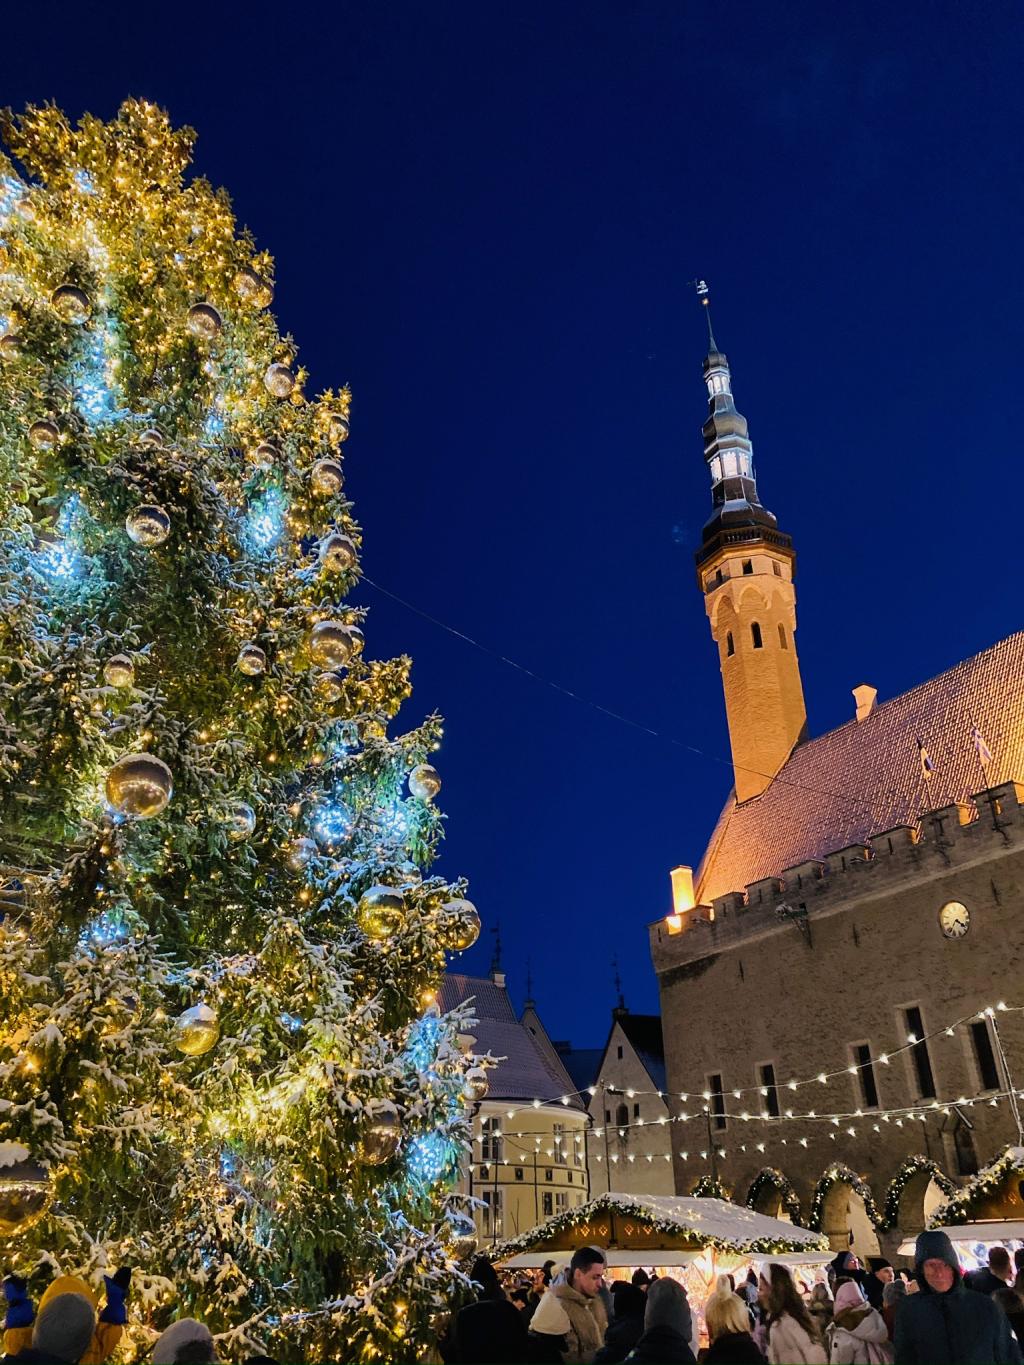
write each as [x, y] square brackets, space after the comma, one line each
[954, 919]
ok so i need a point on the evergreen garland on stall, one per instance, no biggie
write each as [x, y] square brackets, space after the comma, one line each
[837, 1174]
[769, 1177]
[911, 1168]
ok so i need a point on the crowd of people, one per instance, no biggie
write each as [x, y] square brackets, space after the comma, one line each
[872, 1315]
[859, 1315]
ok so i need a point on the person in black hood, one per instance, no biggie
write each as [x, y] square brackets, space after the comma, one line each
[945, 1324]
[667, 1326]
[628, 1304]
[880, 1273]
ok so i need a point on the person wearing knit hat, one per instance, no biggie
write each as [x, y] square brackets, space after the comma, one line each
[892, 1296]
[945, 1323]
[185, 1340]
[63, 1329]
[880, 1273]
[859, 1334]
[107, 1330]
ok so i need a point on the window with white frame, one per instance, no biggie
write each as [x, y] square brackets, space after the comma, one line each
[490, 1139]
[560, 1153]
[492, 1212]
[561, 1201]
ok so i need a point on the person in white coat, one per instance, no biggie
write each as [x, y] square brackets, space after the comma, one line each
[859, 1335]
[792, 1335]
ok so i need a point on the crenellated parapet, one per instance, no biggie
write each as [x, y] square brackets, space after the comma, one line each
[951, 837]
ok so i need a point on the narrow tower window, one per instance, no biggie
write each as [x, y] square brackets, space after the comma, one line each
[775, 568]
[730, 644]
[748, 566]
[755, 635]
[782, 636]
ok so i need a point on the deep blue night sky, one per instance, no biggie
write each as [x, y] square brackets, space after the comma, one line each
[485, 217]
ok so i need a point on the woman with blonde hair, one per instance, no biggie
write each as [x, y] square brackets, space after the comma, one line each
[728, 1323]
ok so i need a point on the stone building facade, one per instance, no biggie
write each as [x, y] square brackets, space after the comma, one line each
[629, 1146]
[826, 974]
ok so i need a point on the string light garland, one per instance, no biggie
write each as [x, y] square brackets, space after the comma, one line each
[958, 1208]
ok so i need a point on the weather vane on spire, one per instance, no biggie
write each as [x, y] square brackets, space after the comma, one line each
[704, 294]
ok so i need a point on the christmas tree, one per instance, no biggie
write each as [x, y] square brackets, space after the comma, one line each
[220, 1058]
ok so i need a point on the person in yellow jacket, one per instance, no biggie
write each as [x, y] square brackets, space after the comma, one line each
[109, 1326]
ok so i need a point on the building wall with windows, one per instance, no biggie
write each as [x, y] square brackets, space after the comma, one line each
[629, 1148]
[529, 1157]
[835, 972]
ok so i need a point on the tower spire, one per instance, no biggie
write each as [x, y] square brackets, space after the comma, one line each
[745, 568]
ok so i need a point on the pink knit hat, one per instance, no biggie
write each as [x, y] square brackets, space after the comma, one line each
[848, 1295]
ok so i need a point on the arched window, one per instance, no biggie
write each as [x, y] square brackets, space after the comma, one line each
[782, 636]
[730, 644]
[755, 635]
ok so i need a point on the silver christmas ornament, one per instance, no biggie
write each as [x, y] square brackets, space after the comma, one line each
[331, 643]
[326, 478]
[463, 1233]
[424, 782]
[338, 424]
[266, 454]
[252, 660]
[204, 321]
[25, 1190]
[380, 1136]
[476, 1084]
[151, 439]
[239, 821]
[463, 924]
[337, 553]
[139, 784]
[10, 346]
[70, 302]
[119, 671]
[148, 525]
[301, 853]
[330, 687]
[381, 913]
[409, 873]
[44, 434]
[196, 1030]
[279, 381]
[252, 288]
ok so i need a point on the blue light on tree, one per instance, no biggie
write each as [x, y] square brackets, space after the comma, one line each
[95, 377]
[59, 556]
[215, 420]
[265, 522]
[291, 1022]
[424, 1036]
[83, 182]
[431, 1157]
[104, 930]
[332, 823]
[11, 194]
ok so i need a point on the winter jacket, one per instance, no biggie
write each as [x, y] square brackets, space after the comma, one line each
[789, 1344]
[955, 1328]
[662, 1345]
[733, 1348]
[18, 1340]
[565, 1312]
[984, 1282]
[621, 1337]
[490, 1332]
[859, 1337]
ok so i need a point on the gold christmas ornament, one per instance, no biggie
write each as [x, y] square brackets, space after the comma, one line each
[463, 924]
[119, 671]
[380, 1137]
[330, 687]
[301, 853]
[44, 434]
[326, 478]
[139, 784]
[148, 525]
[10, 346]
[239, 821]
[279, 381]
[252, 660]
[252, 288]
[196, 1030]
[70, 302]
[424, 782]
[151, 439]
[476, 1084]
[204, 321]
[331, 643]
[338, 424]
[463, 1233]
[381, 913]
[25, 1189]
[337, 553]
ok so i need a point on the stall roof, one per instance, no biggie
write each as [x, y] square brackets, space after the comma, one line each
[992, 1232]
[652, 1222]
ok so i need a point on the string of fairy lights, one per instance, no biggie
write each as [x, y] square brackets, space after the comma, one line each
[836, 1123]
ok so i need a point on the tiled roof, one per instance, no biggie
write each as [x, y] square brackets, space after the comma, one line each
[864, 778]
[526, 1073]
[582, 1064]
[644, 1033]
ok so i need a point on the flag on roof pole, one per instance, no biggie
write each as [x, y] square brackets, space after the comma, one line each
[984, 752]
[927, 766]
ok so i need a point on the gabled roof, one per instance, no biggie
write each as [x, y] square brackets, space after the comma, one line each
[644, 1034]
[865, 777]
[527, 1072]
[582, 1064]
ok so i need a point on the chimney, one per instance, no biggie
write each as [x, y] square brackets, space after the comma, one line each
[682, 889]
[865, 697]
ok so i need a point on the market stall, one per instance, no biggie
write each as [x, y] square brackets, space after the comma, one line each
[972, 1241]
[986, 1212]
[690, 1239]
